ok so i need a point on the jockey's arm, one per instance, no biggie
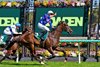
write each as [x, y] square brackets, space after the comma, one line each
[50, 23]
[15, 31]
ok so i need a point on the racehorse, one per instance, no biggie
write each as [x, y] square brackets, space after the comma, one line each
[52, 41]
[26, 39]
[10, 52]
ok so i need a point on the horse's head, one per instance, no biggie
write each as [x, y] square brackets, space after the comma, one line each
[65, 27]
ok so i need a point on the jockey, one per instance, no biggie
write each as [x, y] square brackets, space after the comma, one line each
[10, 31]
[46, 18]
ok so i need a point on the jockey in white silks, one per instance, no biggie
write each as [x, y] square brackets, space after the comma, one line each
[10, 31]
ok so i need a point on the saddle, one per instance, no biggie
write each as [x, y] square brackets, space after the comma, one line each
[42, 38]
[4, 38]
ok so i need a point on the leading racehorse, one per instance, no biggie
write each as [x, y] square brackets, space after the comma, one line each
[52, 41]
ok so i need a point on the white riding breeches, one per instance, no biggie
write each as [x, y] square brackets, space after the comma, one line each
[44, 28]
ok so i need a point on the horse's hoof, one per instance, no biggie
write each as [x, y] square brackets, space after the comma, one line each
[65, 60]
[42, 63]
[41, 57]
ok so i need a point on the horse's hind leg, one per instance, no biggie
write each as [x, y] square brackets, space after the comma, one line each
[36, 57]
[62, 50]
[3, 58]
[33, 53]
[52, 52]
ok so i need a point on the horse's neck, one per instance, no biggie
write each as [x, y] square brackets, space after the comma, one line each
[57, 32]
[27, 37]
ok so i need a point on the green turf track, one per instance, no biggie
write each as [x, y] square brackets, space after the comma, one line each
[48, 64]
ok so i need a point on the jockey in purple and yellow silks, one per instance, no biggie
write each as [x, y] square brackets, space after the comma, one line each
[46, 18]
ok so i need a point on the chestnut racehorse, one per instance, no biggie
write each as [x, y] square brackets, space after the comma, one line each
[27, 39]
[52, 41]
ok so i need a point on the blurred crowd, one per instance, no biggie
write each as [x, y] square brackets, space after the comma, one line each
[12, 4]
[46, 3]
[61, 3]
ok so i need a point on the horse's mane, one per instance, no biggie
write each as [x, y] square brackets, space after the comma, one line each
[60, 23]
[27, 29]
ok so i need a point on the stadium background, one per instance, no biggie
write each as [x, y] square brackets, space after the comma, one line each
[29, 13]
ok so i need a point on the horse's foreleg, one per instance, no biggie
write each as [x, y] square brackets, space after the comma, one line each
[31, 56]
[62, 50]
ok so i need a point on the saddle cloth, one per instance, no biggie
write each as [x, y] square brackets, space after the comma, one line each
[37, 35]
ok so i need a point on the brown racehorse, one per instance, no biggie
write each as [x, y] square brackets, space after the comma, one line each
[27, 39]
[52, 41]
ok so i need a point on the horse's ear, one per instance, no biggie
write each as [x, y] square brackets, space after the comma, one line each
[61, 22]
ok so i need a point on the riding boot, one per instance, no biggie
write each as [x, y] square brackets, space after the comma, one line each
[41, 37]
[8, 38]
[9, 44]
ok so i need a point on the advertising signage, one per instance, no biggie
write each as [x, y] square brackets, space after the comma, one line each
[8, 17]
[76, 17]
